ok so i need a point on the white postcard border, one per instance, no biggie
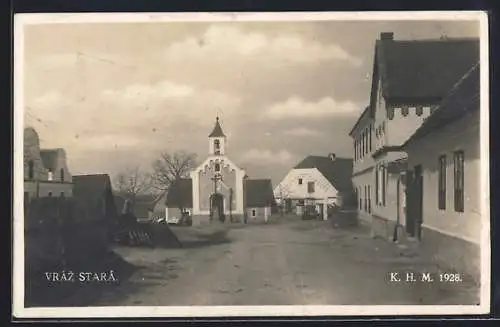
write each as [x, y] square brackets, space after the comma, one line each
[19, 311]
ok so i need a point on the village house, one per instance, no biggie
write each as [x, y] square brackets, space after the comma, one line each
[259, 199]
[143, 208]
[409, 79]
[321, 181]
[216, 189]
[444, 183]
[46, 172]
[94, 193]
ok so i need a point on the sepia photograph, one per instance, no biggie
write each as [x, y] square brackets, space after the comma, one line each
[256, 164]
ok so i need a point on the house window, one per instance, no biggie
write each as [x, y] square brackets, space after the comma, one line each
[370, 139]
[365, 203]
[404, 111]
[442, 183]
[310, 187]
[359, 148]
[458, 164]
[355, 151]
[369, 200]
[366, 140]
[360, 199]
[217, 167]
[50, 175]
[61, 173]
[254, 213]
[300, 181]
[383, 176]
[390, 113]
[419, 111]
[217, 146]
[377, 191]
[31, 171]
[50, 194]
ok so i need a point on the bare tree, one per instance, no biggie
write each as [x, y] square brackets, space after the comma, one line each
[171, 167]
[283, 194]
[132, 182]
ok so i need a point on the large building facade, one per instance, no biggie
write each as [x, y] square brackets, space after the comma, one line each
[409, 80]
[217, 188]
[46, 171]
[444, 179]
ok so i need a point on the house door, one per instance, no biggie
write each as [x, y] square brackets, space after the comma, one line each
[217, 206]
[288, 205]
[419, 201]
[320, 210]
[410, 203]
[401, 201]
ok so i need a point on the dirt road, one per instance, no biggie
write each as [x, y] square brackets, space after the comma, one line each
[294, 262]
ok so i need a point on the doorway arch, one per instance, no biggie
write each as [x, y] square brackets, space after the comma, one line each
[217, 206]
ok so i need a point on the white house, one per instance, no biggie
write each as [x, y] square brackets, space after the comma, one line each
[444, 184]
[317, 180]
[409, 79]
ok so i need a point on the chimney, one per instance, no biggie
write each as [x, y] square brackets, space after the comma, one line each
[387, 36]
[332, 156]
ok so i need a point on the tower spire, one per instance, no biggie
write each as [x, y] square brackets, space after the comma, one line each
[217, 131]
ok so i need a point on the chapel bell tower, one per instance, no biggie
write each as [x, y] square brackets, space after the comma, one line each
[217, 140]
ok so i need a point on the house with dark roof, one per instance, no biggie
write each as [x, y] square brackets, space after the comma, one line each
[143, 207]
[259, 198]
[46, 172]
[218, 189]
[321, 181]
[444, 178]
[410, 78]
[95, 193]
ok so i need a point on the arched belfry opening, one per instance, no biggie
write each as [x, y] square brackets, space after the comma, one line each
[217, 139]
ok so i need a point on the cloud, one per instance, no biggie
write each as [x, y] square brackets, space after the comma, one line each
[296, 107]
[302, 131]
[143, 92]
[262, 157]
[228, 43]
[168, 100]
[67, 59]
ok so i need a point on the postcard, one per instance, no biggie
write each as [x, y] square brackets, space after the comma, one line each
[251, 164]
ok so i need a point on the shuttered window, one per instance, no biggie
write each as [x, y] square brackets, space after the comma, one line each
[442, 183]
[384, 176]
[310, 187]
[458, 163]
[370, 139]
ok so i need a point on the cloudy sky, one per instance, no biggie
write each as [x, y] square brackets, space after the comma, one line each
[117, 95]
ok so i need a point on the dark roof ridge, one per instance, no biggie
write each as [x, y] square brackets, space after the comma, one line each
[443, 39]
[456, 86]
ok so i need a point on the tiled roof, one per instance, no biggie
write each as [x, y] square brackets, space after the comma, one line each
[462, 99]
[91, 189]
[180, 194]
[217, 131]
[259, 192]
[90, 185]
[423, 69]
[338, 172]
